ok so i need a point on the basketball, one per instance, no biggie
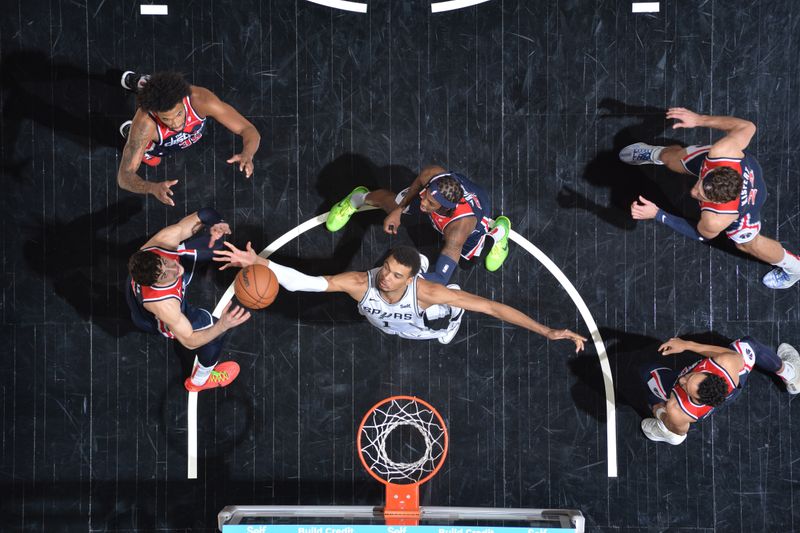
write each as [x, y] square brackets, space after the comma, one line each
[256, 286]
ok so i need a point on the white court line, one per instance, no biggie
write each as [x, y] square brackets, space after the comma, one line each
[153, 9]
[645, 7]
[608, 382]
[357, 7]
[191, 455]
[450, 5]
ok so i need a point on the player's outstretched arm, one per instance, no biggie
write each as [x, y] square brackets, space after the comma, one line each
[169, 312]
[141, 132]
[432, 293]
[677, 345]
[353, 283]
[171, 236]
[392, 220]
[455, 235]
[210, 105]
[738, 131]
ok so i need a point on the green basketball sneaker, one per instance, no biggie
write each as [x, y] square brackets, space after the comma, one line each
[499, 252]
[342, 211]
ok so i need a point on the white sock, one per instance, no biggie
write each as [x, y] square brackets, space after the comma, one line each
[201, 373]
[788, 373]
[358, 199]
[498, 233]
[790, 263]
[656, 154]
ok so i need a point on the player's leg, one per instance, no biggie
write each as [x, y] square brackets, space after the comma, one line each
[787, 265]
[671, 156]
[785, 363]
[207, 371]
[659, 381]
[341, 212]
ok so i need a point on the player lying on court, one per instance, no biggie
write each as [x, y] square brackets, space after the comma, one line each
[159, 274]
[171, 117]
[679, 398]
[730, 189]
[457, 208]
[394, 299]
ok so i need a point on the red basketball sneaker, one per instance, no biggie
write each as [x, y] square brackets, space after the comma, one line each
[222, 376]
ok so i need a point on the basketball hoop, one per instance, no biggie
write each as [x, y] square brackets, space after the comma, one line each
[391, 432]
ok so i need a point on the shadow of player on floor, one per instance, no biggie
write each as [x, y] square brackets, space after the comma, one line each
[627, 354]
[82, 107]
[626, 183]
[86, 270]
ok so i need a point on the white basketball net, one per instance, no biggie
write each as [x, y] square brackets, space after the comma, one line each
[394, 415]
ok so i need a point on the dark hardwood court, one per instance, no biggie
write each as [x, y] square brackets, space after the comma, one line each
[531, 99]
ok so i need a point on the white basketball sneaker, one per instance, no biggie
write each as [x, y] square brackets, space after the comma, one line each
[641, 154]
[778, 278]
[789, 355]
[655, 430]
[456, 314]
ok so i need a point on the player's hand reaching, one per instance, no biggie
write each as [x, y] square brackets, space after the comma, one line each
[392, 221]
[245, 163]
[234, 257]
[558, 334]
[643, 209]
[685, 118]
[232, 317]
[163, 191]
[673, 346]
[218, 231]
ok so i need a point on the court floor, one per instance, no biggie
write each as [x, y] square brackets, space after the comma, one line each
[530, 99]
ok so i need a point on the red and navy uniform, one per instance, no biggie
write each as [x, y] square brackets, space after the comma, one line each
[171, 141]
[663, 382]
[138, 295]
[475, 203]
[751, 198]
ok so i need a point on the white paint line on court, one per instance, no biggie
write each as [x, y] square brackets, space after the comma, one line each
[525, 244]
[344, 5]
[645, 7]
[450, 5]
[153, 9]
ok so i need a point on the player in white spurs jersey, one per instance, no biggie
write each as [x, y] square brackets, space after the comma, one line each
[396, 300]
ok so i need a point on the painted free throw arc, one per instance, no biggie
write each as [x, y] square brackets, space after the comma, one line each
[608, 381]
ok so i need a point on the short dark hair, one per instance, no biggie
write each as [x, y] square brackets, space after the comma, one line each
[713, 390]
[145, 267]
[406, 256]
[722, 184]
[450, 188]
[162, 91]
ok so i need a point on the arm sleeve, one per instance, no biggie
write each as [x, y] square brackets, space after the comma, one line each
[681, 225]
[444, 270]
[294, 280]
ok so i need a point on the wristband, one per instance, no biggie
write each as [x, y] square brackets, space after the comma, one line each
[444, 269]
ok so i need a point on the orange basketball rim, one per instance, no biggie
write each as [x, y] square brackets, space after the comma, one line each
[402, 478]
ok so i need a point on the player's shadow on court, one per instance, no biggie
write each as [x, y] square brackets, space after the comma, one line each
[339, 177]
[85, 269]
[84, 108]
[628, 353]
[668, 190]
[624, 182]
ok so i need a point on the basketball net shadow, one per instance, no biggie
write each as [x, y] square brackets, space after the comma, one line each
[522, 242]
